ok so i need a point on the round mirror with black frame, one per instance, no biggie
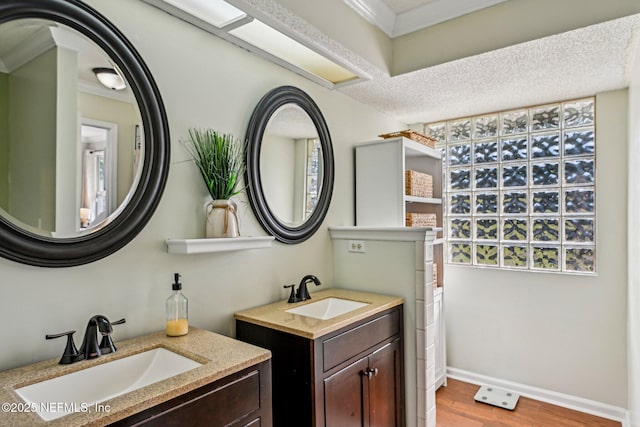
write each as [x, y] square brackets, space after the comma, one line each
[28, 241]
[289, 187]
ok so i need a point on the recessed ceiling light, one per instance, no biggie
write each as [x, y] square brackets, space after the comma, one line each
[215, 12]
[238, 27]
[284, 47]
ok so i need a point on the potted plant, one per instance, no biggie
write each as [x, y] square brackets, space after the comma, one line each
[220, 160]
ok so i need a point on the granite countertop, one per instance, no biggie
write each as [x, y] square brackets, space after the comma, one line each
[220, 356]
[274, 315]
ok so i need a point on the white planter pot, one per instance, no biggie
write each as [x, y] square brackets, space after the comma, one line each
[222, 219]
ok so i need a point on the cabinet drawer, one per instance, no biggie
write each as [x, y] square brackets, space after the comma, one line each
[344, 346]
[221, 406]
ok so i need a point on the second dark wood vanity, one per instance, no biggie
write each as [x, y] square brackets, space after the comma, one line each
[353, 375]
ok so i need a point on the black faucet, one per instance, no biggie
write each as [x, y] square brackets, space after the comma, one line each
[90, 349]
[303, 292]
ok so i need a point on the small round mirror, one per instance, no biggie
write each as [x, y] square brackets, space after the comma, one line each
[289, 164]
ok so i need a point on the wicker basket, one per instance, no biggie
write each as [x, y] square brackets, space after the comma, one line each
[435, 275]
[418, 184]
[412, 135]
[420, 220]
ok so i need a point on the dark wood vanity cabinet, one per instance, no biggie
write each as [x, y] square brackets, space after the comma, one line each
[350, 377]
[242, 399]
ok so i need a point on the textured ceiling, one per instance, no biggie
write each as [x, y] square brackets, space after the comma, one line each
[569, 65]
[573, 64]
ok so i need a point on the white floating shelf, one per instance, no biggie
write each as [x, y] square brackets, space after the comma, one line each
[200, 246]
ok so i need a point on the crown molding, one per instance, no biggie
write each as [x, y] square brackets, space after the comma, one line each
[380, 14]
[37, 44]
[436, 12]
[376, 12]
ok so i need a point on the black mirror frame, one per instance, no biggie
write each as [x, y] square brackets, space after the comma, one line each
[268, 105]
[22, 246]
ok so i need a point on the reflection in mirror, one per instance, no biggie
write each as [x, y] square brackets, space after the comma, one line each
[68, 145]
[291, 141]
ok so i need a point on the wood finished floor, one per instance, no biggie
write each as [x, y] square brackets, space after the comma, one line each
[455, 407]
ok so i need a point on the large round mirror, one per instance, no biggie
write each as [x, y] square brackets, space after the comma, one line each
[84, 146]
[289, 164]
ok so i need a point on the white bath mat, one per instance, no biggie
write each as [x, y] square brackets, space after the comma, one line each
[497, 397]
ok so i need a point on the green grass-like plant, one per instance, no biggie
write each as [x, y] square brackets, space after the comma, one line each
[220, 159]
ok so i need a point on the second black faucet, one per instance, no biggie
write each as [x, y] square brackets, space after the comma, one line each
[302, 294]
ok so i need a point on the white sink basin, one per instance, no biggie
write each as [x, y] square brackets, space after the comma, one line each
[80, 390]
[327, 308]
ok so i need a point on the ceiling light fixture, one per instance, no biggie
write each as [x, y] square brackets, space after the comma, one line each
[281, 46]
[109, 78]
[260, 37]
[215, 12]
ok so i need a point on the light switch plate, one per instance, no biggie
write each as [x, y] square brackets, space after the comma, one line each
[357, 246]
[497, 397]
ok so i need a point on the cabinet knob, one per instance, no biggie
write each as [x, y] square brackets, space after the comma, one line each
[369, 372]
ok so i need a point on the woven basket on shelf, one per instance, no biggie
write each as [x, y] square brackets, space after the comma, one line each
[420, 220]
[412, 135]
[435, 275]
[418, 184]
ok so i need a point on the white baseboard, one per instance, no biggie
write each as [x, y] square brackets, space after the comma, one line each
[587, 406]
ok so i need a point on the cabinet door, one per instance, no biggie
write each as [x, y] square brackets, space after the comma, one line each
[385, 394]
[344, 396]
[439, 340]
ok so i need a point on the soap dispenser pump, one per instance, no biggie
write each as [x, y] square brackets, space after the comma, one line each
[177, 310]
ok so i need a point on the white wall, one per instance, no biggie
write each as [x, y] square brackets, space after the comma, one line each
[634, 246]
[204, 82]
[557, 332]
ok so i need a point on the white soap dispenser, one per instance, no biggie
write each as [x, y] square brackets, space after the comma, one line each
[177, 311]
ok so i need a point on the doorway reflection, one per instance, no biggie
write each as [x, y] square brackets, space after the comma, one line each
[98, 188]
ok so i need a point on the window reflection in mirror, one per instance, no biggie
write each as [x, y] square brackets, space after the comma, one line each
[55, 179]
[291, 141]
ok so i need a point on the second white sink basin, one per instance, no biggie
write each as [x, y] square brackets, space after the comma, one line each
[327, 308]
[81, 390]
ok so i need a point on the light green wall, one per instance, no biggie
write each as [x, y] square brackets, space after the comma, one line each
[4, 140]
[32, 135]
[210, 84]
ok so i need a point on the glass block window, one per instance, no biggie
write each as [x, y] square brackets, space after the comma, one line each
[520, 187]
